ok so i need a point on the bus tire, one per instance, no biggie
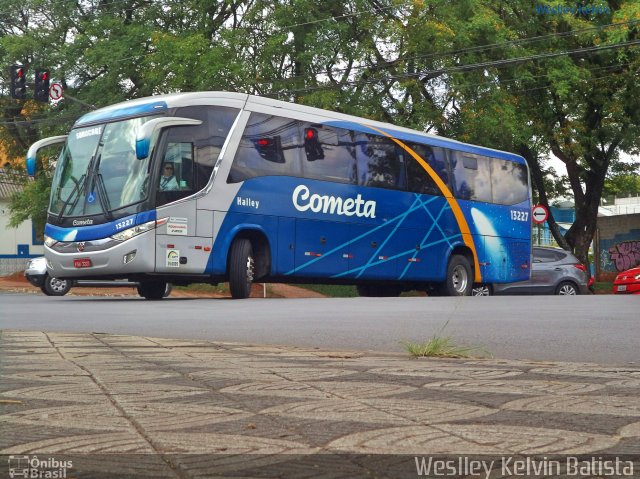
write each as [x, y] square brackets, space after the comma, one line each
[459, 277]
[152, 289]
[55, 286]
[241, 268]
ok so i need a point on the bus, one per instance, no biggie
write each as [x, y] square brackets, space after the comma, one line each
[211, 187]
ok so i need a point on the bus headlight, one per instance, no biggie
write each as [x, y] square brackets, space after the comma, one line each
[49, 241]
[135, 231]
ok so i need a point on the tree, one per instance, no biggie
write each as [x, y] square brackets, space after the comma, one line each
[623, 180]
[584, 106]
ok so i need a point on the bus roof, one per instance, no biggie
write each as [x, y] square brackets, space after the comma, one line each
[160, 103]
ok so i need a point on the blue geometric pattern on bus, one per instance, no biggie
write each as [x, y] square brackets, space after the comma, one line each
[420, 204]
[409, 238]
[435, 225]
[372, 260]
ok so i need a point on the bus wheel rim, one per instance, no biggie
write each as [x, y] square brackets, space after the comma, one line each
[250, 269]
[459, 279]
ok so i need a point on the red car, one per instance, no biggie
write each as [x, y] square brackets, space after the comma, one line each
[628, 282]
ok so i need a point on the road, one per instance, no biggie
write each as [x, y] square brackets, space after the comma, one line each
[601, 329]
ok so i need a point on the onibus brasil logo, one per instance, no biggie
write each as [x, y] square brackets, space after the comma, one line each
[34, 468]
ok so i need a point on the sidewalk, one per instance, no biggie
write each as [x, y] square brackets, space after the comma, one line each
[121, 406]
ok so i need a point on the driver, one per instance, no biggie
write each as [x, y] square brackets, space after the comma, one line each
[168, 180]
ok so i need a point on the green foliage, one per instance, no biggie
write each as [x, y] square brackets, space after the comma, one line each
[31, 202]
[622, 185]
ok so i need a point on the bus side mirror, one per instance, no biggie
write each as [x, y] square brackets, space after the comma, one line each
[146, 132]
[33, 151]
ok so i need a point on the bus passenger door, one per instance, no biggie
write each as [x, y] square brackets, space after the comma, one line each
[178, 248]
[320, 248]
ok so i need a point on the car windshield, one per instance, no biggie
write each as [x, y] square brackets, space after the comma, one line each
[98, 172]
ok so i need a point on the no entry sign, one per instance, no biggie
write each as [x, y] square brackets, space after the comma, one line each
[539, 214]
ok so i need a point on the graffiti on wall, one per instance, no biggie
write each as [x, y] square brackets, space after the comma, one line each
[625, 255]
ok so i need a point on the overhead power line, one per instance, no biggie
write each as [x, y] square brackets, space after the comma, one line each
[470, 67]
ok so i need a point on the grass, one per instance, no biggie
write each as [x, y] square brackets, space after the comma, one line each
[331, 290]
[443, 347]
[339, 291]
[221, 288]
[603, 287]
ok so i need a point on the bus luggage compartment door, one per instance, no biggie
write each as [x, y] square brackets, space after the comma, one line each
[321, 248]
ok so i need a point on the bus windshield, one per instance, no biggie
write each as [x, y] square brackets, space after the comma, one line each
[98, 172]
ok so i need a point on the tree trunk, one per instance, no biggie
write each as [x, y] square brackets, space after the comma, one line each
[536, 176]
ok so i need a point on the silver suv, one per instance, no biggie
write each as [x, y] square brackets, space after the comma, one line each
[554, 271]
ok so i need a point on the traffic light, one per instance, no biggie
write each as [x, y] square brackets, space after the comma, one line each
[312, 146]
[270, 149]
[18, 82]
[41, 91]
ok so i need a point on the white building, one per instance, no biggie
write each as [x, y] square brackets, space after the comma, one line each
[622, 206]
[19, 244]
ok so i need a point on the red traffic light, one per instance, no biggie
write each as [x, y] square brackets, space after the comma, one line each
[41, 89]
[263, 142]
[311, 134]
[18, 82]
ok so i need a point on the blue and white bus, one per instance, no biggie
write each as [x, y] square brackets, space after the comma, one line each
[213, 186]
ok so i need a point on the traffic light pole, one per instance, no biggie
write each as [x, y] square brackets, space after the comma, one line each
[72, 98]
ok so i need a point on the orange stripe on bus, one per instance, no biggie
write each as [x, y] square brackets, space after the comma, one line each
[453, 204]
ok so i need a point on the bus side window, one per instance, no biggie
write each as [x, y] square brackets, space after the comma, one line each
[471, 176]
[176, 173]
[207, 139]
[270, 146]
[510, 182]
[329, 153]
[180, 156]
[418, 179]
[380, 162]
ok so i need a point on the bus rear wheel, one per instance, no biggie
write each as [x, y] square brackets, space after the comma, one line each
[459, 277]
[241, 268]
[152, 289]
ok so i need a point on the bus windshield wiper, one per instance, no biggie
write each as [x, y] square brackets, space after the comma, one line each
[103, 197]
[79, 187]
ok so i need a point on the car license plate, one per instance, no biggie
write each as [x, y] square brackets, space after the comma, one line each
[82, 263]
[622, 287]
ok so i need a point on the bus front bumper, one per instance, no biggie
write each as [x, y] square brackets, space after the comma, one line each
[102, 258]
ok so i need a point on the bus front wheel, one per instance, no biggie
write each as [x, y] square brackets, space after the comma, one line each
[241, 268]
[459, 277]
[152, 289]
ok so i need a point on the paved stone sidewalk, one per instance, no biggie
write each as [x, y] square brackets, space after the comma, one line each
[121, 406]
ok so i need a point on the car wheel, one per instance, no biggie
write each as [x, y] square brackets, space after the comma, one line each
[241, 269]
[55, 286]
[567, 288]
[459, 280]
[152, 289]
[481, 290]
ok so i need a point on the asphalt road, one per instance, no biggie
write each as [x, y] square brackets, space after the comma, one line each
[601, 329]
